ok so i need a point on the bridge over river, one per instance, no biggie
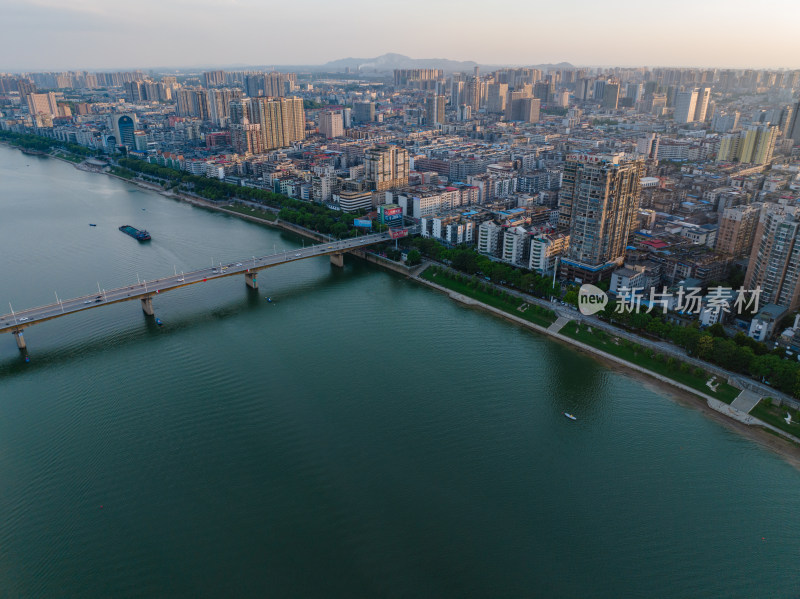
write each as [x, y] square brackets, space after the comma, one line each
[17, 320]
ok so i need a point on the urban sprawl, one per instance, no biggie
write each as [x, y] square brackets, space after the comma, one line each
[647, 179]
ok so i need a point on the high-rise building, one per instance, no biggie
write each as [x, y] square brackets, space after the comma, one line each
[43, 104]
[364, 112]
[753, 145]
[737, 226]
[611, 96]
[794, 124]
[434, 110]
[282, 120]
[214, 78]
[413, 77]
[598, 205]
[219, 101]
[701, 106]
[192, 101]
[685, 106]
[473, 93]
[386, 167]
[331, 123]
[496, 98]
[774, 265]
[246, 138]
[457, 93]
[123, 125]
[521, 107]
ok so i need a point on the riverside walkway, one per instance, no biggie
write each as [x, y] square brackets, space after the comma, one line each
[17, 320]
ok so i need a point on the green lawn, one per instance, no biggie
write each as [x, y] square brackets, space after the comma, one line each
[775, 415]
[660, 364]
[533, 313]
[257, 212]
[70, 157]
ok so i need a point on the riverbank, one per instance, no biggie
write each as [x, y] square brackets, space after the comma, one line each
[749, 426]
[691, 394]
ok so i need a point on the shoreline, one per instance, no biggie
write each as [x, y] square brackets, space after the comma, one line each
[761, 433]
[766, 436]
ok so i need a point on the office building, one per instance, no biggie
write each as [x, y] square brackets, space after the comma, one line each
[598, 206]
[123, 125]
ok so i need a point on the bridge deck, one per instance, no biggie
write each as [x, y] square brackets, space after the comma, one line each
[18, 320]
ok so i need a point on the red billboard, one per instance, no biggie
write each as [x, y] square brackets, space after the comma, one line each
[398, 233]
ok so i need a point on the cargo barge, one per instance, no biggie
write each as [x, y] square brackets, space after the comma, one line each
[135, 233]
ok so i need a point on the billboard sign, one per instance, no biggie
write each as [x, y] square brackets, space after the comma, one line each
[395, 212]
[398, 233]
[362, 222]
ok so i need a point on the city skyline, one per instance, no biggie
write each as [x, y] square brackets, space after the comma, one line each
[245, 33]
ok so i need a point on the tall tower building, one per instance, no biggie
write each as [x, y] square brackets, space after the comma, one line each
[282, 120]
[794, 124]
[331, 123]
[685, 106]
[598, 205]
[214, 78]
[611, 96]
[701, 107]
[219, 101]
[123, 125]
[775, 260]
[496, 98]
[386, 167]
[434, 110]
[737, 226]
[43, 104]
[364, 112]
[246, 138]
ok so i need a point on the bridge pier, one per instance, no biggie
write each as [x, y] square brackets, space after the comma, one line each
[251, 280]
[20, 340]
[147, 305]
[337, 260]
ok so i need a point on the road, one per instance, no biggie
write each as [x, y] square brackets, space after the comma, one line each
[18, 320]
[571, 313]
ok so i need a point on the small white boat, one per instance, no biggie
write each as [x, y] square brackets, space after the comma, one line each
[570, 416]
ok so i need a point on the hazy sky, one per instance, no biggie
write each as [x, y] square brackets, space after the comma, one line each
[110, 34]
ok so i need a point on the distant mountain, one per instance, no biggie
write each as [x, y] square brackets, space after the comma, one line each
[389, 62]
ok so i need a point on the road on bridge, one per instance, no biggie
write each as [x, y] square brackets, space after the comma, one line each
[18, 320]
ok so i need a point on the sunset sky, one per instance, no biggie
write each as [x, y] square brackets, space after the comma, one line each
[95, 34]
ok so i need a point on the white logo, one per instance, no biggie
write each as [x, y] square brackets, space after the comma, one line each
[591, 299]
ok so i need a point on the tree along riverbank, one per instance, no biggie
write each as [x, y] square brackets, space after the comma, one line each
[692, 383]
[509, 304]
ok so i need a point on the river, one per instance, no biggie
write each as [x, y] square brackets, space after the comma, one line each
[359, 436]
